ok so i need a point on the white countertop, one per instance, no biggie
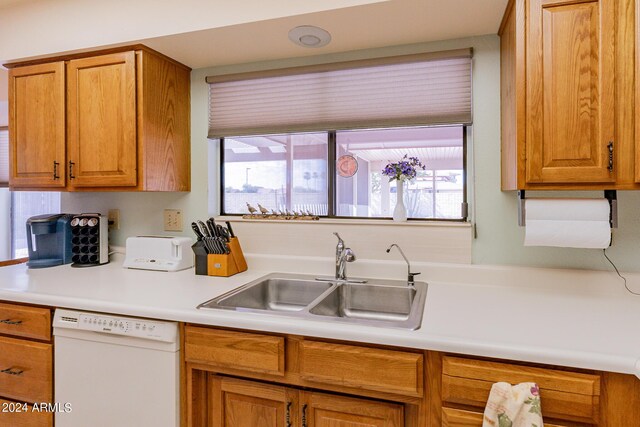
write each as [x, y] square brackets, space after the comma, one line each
[574, 318]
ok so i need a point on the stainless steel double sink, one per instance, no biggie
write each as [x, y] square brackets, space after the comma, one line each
[384, 303]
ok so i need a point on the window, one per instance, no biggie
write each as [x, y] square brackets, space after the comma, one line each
[291, 172]
[17, 206]
[316, 139]
[277, 172]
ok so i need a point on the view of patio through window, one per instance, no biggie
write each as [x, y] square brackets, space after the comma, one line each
[290, 172]
[277, 172]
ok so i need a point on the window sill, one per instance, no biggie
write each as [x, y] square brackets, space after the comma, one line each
[348, 221]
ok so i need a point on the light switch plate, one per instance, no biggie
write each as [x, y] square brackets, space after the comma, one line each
[172, 220]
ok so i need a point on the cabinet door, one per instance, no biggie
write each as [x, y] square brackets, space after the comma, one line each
[326, 410]
[570, 91]
[37, 126]
[101, 136]
[239, 403]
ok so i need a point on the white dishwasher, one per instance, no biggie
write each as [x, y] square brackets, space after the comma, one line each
[116, 371]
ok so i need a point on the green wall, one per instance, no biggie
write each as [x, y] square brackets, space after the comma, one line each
[499, 239]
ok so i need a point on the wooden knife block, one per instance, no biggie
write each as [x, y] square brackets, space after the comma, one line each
[228, 264]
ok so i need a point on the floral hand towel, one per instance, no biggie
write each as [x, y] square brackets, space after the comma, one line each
[513, 406]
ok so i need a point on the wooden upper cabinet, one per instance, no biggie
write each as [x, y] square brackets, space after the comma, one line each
[564, 66]
[101, 122]
[123, 122]
[37, 126]
[570, 91]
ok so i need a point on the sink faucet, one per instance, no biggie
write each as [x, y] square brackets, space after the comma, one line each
[343, 256]
[410, 275]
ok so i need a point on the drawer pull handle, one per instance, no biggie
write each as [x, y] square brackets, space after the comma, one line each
[11, 322]
[11, 371]
[288, 417]
[71, 164]
[55, 170]
[304, 415]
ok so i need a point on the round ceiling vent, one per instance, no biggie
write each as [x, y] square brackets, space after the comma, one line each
[309, 36]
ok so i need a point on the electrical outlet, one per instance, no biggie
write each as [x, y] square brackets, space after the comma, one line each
[172, 220]
[114, 219]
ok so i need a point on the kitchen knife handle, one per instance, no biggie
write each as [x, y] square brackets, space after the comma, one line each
[196, 230]
[231, 234]
[288, 416]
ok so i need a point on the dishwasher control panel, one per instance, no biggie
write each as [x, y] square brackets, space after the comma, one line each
[118, 325]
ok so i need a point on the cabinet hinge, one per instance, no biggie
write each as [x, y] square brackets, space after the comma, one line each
[610, 147]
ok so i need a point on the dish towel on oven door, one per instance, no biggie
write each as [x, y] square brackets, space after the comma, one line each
[513, 406]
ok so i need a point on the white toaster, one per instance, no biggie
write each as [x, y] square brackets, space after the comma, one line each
[161, 253]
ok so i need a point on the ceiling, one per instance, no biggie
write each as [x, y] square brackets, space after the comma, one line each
[365, 25]
[388, 23]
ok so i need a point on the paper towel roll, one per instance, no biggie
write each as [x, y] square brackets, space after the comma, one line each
[567, 223]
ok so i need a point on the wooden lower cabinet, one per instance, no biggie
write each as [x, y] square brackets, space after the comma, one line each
[461, 418]
[26, 365]
[240, 403]
[244, 403]
[18, 414]
[322, 383]
[327, 410]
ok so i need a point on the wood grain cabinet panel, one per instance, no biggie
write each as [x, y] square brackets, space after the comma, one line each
[461, 418]
[101, 133]
[37, 126]
[570, 91]
[25, 321]
[326, 410]
[566, 120]
[564, 395]
[239, 403]
[237, 350]
[26, 370]
[123, 122]
[368, 368]
[29, 418]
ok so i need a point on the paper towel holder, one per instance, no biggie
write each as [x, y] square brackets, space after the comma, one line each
[610, 195]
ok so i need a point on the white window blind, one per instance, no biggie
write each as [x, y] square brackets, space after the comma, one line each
[4, 157]
[423, 89]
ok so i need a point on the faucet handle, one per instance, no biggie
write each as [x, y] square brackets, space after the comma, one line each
[411, 278]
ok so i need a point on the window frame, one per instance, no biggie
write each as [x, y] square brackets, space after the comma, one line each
[331, 180]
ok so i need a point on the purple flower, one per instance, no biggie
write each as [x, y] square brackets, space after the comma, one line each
[535, 390]
[404, 169]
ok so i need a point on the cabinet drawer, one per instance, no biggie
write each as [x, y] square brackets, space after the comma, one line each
[564, 395]
[24, 321]
[235, 350]
[25, 370]
[362, 367]
[9, 417]
[459, 418]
